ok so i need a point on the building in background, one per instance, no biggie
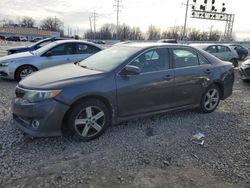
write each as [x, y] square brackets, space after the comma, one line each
[28, 33]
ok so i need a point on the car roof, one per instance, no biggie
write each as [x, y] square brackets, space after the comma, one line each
[77, 41]
[144, 45]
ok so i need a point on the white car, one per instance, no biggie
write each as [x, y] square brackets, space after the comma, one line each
[18, 66]
[223, 52]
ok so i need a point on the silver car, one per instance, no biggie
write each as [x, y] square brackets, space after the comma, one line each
[18, 66]
[223, 52]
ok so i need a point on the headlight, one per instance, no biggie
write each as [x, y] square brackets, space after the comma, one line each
[4, 64]
[33, 96]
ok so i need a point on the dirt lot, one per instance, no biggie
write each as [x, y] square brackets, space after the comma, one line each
[150, 152]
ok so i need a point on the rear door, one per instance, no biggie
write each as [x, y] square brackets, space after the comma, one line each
[224, 53]
[192, 76]
[149, 91]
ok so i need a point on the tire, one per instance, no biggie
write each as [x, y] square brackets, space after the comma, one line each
[88, 119]
[24, 71]
[210, 99]
[235, 62]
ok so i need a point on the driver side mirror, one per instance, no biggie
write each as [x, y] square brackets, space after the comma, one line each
[130, 70]
[49, 54]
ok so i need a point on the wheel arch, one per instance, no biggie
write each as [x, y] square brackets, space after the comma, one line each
[103, 99]
[221, 87]
[18, 68]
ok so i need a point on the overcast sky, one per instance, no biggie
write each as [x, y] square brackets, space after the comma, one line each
[142, 13]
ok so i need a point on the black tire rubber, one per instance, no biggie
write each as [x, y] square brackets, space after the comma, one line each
[202, 107]
[76, 109]
[235, 62]
[20, 69]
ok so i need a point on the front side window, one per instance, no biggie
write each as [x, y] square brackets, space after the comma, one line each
[63, 49]
[185, 58]
[153, 60]
[222, 49]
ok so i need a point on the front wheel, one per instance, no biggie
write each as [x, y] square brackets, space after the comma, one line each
[24, 71]
[88, 119]
[210, 99]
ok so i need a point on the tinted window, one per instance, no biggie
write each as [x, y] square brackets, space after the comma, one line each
[203, 60]
[63, 49]
[153, 60]
[185, 58]
[211, 49]
[222, 49]
[86, 49]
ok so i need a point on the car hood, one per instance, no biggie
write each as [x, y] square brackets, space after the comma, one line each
[16, 56]
[58, 77]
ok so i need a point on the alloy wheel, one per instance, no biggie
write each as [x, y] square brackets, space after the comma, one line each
[212, 98]
[90, 121]
[25, 72]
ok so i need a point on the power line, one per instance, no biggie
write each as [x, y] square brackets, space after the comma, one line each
[118, 5]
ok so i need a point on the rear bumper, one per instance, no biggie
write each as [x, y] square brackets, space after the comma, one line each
[49, 114]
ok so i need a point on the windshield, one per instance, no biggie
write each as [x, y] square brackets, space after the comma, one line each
[108, 59]
[45, 48]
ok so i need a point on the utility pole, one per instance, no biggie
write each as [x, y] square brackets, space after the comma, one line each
[185, 23]
[118, 9]
[94, 19]
[90, 23]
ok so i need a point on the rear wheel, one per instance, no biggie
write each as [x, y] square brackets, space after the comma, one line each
[210, 99]
[88, 119]
[24, 71]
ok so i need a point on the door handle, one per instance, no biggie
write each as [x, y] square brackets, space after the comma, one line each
[167, 77]
[208, 71]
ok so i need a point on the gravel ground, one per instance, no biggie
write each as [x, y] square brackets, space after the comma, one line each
[149, 152]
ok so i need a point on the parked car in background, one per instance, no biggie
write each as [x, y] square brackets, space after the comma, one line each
[242, 51]
[122, 82]
[17, 66]
[36, 39]
[100, 42]
[223, 52]
[2, 37]
[245, 70]
[33, 47]
[168, 41]
[23, 39]
[13, 38]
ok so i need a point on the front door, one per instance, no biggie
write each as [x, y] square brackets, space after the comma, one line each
[61, 54]
[149, 91]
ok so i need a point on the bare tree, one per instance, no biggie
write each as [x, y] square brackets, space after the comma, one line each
[154, 33]
[52, 24]
[27, 22]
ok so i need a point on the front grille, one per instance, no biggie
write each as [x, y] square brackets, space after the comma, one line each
[19, 92]
[247, 71]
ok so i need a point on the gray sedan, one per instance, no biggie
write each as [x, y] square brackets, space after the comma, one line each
[119, 83]
[222, 51]
[18, 66]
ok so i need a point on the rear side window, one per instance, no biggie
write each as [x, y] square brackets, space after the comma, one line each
[185, 58]
[153, 60]
[203, 60]
[86, 49]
